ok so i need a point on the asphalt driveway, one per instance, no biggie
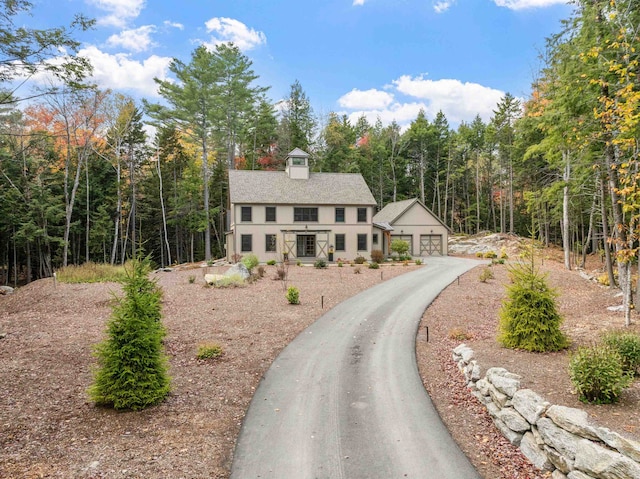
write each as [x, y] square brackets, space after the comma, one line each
[345, 400]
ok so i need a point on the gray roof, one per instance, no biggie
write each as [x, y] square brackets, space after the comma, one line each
[393, 211]
[275, 187]
[298, 153]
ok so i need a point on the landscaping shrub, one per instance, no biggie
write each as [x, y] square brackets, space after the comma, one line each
[359, 260]
[486, 274]
[209, 351]
[192, 279]
[374, 265]
[596, 373]
[628, 347]
[298, 263]
[293, 295]
[93, 273]
[490, 255]
[418, 262]
[281, 273]
[528, 318]
[132, 370]
[320, 264]
[250, 261]
[377, 256]
[235, 258]
[357, 270]
[400, 247]
[339, 264]
[271, 262]
[233, 281]
[260, 271]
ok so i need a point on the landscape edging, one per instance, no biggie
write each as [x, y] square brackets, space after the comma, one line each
[554, 438]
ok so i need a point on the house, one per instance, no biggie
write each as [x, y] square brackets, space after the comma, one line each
[411, 221]
[297, 214]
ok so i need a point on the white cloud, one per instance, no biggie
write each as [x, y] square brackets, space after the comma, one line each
[119, 71]
[168, 23]
[443, 6]
[137, 40]
[358, 2]
[408, 95]
[459, 101]
[523, 4]
[230, 30]
[119, 11]
[368, 100]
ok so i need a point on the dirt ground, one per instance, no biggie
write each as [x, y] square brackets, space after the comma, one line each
[48, 428]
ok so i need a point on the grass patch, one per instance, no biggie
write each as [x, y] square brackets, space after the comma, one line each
[93, 273]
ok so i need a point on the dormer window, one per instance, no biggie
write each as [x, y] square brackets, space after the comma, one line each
[299, 161]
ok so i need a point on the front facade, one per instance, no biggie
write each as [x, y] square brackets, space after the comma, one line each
[300, 215]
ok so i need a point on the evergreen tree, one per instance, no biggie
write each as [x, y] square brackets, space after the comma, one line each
[132, 368]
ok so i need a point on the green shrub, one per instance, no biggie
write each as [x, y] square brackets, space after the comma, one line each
[298, 263]
[271, 262]
[250, 261]
[339, 264]
[628, 347]
[400, 247]
[359, 260]
[374, 265]
[192, 279]
[405, 257]
[233, 281]
[293, 295]
[377, 256]
[490, 255]
[487, 274]
[320, 264]
[596, 373]
[132, 370]
[479, 254]
[209, 351]
[528, 318]
[418, 262]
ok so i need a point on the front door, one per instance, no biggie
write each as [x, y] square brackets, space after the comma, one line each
[306, 246]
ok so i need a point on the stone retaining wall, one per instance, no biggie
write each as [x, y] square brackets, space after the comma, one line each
[554, 438]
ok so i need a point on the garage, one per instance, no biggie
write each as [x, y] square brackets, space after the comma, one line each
[407, 238]
[430, 245]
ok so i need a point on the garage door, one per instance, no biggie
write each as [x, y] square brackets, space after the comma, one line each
[430, 245]
[407, 238]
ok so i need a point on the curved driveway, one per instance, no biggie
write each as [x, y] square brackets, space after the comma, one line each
[345, 400]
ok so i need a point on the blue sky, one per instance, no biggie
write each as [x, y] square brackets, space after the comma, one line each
[381, 58]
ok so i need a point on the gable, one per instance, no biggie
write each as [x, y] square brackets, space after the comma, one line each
[416, 214]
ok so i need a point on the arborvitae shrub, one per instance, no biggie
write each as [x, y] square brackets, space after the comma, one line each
[132, 369]
[627, 344]
[597, 374]
[529, 319]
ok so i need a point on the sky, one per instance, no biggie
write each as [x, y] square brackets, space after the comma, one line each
[383, 59]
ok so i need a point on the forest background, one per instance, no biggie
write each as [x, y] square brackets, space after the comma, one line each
[81, 181]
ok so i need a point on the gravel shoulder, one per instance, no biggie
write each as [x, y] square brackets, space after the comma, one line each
[48, 428]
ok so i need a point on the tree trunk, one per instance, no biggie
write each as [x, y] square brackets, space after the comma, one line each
[566, 240]
[164, 216]
[207, 230]
[118, 219]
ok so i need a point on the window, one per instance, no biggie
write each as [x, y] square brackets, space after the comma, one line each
[270, 213]
[305, 214]
[362, 215]
[245, 214]
[245, 243]
[375, 238]
[339, 215]
[362, 242]
[270, 243]
[339, 242]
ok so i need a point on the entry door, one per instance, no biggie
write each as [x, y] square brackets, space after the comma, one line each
[306, 246]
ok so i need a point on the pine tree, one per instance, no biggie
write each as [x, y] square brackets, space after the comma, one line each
[133, 370]
[529, 319]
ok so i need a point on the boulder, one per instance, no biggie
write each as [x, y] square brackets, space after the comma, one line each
[513, 420]
[603, 463]
[513, 437]
[628, 447]
[6, 290]
[562, 441]
[558, 460]
[573, 420]
[213, 279]
[578, 475]
[529, 404]
[534, 453]
[238, 269]
[504, 381]
[557, 475]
